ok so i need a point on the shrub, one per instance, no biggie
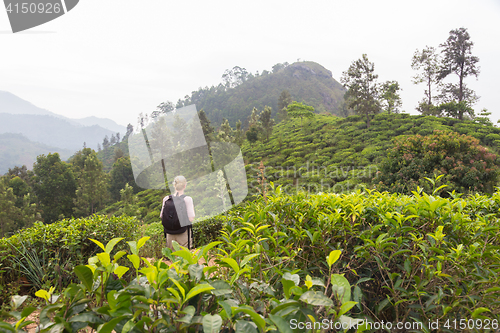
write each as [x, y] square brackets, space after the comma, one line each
[58, 247]
[465, 164]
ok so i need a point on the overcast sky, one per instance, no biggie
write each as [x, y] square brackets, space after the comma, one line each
[117, 58]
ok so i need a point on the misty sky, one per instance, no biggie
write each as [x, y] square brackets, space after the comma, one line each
[117, 58]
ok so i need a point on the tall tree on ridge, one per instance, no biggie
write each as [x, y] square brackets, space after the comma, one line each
[362, 88]
[458, 59]
[427, 62]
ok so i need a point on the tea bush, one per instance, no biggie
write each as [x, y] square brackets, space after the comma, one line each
[409, 258]
[48, 252]
[187, 296]
[398, 258]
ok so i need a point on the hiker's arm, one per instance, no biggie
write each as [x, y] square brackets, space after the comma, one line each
[190, 208]
[162, 204]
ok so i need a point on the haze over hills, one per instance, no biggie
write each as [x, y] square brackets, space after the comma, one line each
[17, 150]
[27, 131]
[12, 104]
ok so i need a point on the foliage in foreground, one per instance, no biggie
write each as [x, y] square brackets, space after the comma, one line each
[46, 253]
[186, 296]
[413, 259]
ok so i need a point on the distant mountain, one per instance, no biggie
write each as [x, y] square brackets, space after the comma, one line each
[307, 82]
[52, 131]
[103, 122]
[18, 150]
[12, 104]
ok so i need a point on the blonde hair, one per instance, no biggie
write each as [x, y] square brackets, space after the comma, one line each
[179, 183]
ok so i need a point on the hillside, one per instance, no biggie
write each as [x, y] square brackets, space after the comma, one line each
[17, 150]
[339, 153]
[306, 81]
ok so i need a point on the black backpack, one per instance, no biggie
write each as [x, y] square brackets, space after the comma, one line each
[171, 217]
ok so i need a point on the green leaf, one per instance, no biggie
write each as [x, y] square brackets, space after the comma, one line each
[86, 317]
[333, 257]
[316, 298]
[7, 327]
[346, 307]
[99, 244]
[120, 270]
[207, 248]
[282, 325]
[186, 255]
[16, 301]
[111, 244]
[231, 262]
[256, 318]
[350, 322]
[476, 312]
[243, 326]
[212, 324]
[341, 288]
[42, 294]
[189, 312]
[196, 271]
[295, 278]
[27, 311]
[85, 275]
[135, 260]
[142, 241]
[248, 258]
[104, 258]
[287, 284]
[118, 255]
[226, 308]
[382, 305]
[200, 288]
[133, 247]
[109, 326]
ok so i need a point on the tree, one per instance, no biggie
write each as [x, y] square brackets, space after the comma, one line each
[362, 88]
[105, 142]
[9, 213]
[266, 121]
[130, 130]
[91, 182]
[427, 62]
[253, 120]
[390, 96]
[239, 136]
[284, 99]
[282, 115]
[458, 60]
[234, 77]
[225, 133]
[207, 128]
[55, 187]
[299, 110]
[121, 174]
[164, 108]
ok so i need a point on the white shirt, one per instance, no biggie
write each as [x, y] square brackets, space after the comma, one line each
[189, 206]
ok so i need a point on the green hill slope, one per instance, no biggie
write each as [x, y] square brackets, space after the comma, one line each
[306, 81]
[332, 153]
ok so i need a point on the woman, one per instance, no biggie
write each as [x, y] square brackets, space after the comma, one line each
[184, 235]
